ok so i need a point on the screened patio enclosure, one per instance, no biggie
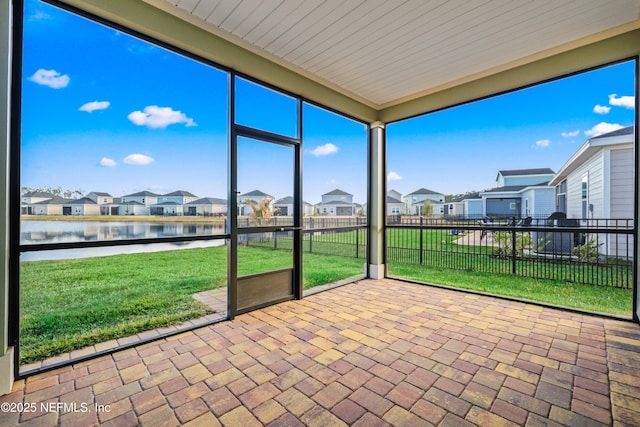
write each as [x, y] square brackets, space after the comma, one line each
[374, 62]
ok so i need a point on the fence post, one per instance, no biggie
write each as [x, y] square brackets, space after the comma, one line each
[357, 243]
[513, 251]
[421, 241]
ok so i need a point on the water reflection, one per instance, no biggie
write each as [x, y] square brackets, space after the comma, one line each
[116, 250]
[34, 232]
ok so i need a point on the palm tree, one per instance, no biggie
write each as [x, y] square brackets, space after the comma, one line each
[262, 213]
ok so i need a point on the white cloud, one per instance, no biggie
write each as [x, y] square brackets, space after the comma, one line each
[624, 101]
[601, 128]
[393, 176]
[571, 134]
[95, 105]
[332, 181]
[325, 150]
[39, 15]
[107, 162]
[543, 143]
[601, 109]
[138, 159]
[155, 117]
[50, 78]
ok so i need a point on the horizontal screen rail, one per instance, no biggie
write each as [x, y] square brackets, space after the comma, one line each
[124, 242]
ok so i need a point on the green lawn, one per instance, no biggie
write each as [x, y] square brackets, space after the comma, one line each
[69, 304]
[600, 299]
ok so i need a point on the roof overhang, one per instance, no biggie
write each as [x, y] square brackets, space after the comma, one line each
[458, 68]
[586, 151]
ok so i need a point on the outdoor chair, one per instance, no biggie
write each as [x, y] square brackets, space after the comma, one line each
[485, 221]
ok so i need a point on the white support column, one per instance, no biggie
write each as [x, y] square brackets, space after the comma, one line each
[377, 201]
[6, 352]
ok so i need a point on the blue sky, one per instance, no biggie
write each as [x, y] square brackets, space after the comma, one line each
[461, 149]
[106, 112]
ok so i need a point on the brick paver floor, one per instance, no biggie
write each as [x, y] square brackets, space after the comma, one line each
[366, 354]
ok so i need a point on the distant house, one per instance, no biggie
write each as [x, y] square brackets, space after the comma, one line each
[132, 208]
[519, 201]
[466, 206]
[255, 196]
[27, 201]
[35, 197]
[172, 203]
[207, 206]
[521, 177]
[166, 208]
[520, 193]
[100, 198]
[337, 203]
[597, 182]
[395, 206]
[284, 207]
[145, 198]
[83, 206]
[415, 201]
[179, 197]
[108, 204]
[52, 206]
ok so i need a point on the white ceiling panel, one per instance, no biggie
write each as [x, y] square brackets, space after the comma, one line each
[383, 51]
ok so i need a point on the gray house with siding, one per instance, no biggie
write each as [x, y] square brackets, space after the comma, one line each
[597, 183]
[206, 206]
[337, 203]
[255, 196]
[520, 193]
[415, 201]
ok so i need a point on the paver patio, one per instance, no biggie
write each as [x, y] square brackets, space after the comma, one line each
[369, 353]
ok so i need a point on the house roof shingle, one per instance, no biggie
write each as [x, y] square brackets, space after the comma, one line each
[208, 201]
[82, 201]
[423, 191]
[180, 193]
[141, 194]
[393, 200]
[54, 200]
[256, 193]
[518, 172]
[624, 131]
[337, 192]
[336, 202]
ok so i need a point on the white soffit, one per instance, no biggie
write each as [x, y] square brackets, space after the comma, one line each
[383, 52]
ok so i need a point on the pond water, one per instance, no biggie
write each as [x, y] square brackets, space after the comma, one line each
[40, 232]
[32, 232]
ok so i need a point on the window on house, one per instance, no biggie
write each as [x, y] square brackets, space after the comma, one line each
[561, 197]
[585, 196]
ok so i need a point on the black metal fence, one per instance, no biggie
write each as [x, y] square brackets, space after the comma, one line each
[309, 222]
[346, 237]
[594, 251]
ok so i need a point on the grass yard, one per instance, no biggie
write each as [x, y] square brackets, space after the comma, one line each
[600, 299]
[70, 304]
